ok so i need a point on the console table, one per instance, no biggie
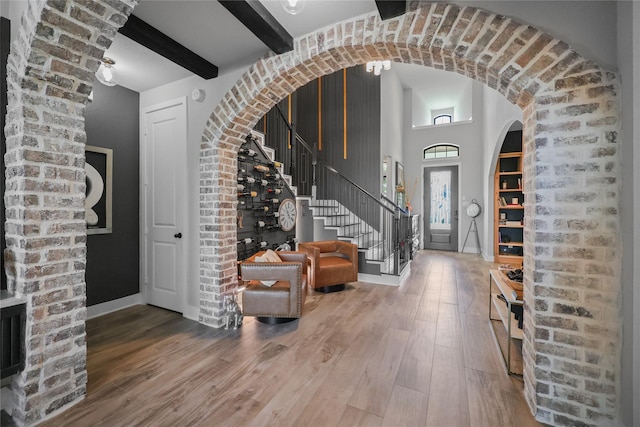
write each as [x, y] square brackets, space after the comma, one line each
[502, 308]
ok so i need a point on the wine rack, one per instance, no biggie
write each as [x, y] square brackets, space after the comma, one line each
[260, 189]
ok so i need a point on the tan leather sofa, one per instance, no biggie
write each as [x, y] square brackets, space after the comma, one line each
[282, 302]
[333, 263]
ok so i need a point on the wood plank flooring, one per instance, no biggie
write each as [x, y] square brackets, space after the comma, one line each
[421, 354]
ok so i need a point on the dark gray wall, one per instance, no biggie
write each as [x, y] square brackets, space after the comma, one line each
[112, 121]
[363, 128]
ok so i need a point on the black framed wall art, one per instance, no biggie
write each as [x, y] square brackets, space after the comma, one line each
[98, 203]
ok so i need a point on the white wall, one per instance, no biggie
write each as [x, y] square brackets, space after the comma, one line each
[441, 90]
[629, 67]
[391, 132]
[13, 10]
[198, 113]
[467, 135]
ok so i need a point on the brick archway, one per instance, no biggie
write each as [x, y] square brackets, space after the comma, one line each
[572, 332]
[572, 263]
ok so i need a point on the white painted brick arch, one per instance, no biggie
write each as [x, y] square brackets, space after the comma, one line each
[571, 182]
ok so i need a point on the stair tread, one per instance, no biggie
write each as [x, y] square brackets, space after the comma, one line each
[353, 235]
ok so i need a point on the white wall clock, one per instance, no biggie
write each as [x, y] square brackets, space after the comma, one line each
[287, 215]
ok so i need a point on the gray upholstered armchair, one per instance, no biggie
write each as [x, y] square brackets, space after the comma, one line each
[283, 301]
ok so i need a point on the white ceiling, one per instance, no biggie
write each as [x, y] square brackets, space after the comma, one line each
[208, 29]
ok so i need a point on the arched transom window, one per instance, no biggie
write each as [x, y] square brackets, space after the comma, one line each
[441, 119]
[441, 151]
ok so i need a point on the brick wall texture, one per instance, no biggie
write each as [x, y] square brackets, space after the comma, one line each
[571, 181]
[50, 75]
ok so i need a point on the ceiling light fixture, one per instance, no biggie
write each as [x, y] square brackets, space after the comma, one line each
[293, 6]
[107, 74]
[378, 66]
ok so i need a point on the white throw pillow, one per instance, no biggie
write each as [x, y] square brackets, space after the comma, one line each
[268, 256]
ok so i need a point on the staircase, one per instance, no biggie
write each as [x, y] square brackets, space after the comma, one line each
[270, 154]
[346, 211]
[374, 256]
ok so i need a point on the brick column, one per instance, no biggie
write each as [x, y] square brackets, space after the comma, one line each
[572, 342]
[51, 69]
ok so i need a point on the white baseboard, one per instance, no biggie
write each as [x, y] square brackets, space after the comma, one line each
[385, 279]
[191, 313]
[115, 305]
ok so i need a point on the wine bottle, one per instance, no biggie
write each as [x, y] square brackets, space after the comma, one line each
[261, 168]
[274, 190]
[240, 187]
[262, 244]
[247, 179]
[272, 176]
[248, 193]
[248, 151]
[260, 224]
[277, 164]
[242, 158]
[264, 182]
[245, 241]
[262, 208]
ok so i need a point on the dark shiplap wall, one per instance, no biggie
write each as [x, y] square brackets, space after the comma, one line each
[363, 128]
[112, 121]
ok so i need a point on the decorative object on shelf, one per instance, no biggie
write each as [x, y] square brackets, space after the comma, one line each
[287, 215]
[107, 73]
[98, 202]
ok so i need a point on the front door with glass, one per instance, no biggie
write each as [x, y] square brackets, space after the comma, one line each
[441, 208]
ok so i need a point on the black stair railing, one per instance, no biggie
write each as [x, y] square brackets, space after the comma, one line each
[380, 229]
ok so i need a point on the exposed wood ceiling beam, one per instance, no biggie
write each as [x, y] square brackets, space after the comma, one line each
[146, 35]
[260, 22]
[391, 8]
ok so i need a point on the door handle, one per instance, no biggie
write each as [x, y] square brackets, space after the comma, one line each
[455, 215]
[178, 235]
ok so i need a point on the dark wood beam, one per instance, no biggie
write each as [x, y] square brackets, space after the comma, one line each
[146, 35]
[260, 22]
[391, 8]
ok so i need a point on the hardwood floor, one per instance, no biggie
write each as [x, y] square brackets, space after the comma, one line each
[417, 355]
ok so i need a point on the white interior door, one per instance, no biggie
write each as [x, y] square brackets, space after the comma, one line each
[165, 143]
